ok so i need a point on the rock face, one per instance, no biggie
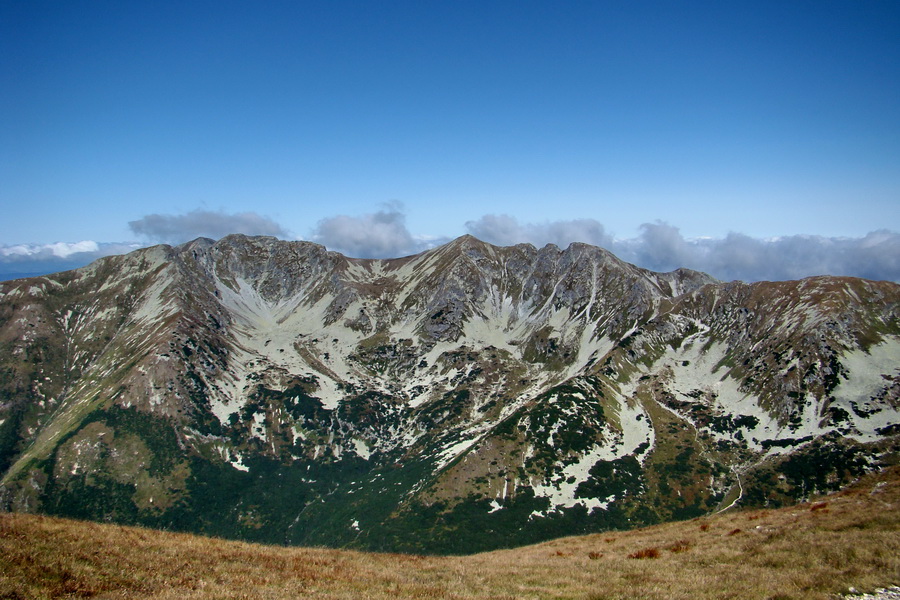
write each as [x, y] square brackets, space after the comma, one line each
[465, 398]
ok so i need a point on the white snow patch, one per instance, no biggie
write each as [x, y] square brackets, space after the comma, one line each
[223, 407]
[448, 454]
[361, 448]
[259, 425]
[618, 443]
[868, 374]
[239, 464]
[155, 307]
[693, 368]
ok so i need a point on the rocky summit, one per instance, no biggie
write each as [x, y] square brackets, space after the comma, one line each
[466, 398]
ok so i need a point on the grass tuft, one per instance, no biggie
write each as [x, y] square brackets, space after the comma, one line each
[645, 553]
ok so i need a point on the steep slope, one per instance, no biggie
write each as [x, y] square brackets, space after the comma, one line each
[467, 397]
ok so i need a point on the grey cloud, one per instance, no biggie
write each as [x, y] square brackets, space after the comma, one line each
[382, 234]
[504, 230]
[661, 247]
[500, 230]
[738, 256]
[176, 229]
[874, 256]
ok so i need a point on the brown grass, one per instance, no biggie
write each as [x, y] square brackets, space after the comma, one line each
[645, 553]
[800, 552]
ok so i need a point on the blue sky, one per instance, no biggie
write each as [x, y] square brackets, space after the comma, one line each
[663, 130]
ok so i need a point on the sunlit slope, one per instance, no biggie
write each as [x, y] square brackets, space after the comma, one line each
[467, 398]
[811, 551]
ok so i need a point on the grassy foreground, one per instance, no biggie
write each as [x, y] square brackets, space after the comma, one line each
[813, 550]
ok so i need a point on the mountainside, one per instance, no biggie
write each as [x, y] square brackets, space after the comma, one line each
[466, 398]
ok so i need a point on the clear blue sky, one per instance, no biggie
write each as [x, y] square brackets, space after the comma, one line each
[761, 118]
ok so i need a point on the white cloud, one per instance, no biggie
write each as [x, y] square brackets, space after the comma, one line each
[176, 229]
[61, 250]
[58, 249]
[20, 260]
[64, 250]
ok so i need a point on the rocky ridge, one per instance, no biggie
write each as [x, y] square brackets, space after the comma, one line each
[467, 397]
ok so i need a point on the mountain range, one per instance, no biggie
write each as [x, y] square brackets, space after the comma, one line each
[466, 398]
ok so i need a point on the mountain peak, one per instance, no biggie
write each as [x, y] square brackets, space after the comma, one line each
[468, 241]
[274, 390]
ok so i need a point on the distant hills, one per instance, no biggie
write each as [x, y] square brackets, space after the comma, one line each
[12, 276]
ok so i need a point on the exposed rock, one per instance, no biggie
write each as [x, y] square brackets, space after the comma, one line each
[283, 392]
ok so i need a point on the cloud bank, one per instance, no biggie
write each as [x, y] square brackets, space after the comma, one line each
[661, 247]
[504, 230]
[177, 229]
[382, 234]
[873, 256]
[385, 234]
[23, 260]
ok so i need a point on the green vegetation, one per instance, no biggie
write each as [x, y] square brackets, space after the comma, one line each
[820, 466]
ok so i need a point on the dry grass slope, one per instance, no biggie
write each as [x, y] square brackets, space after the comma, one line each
[811, 551]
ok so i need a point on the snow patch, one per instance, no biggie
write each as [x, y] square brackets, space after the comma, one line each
[618, 443]
[869, 375]
[239, 464]
[361, 448]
